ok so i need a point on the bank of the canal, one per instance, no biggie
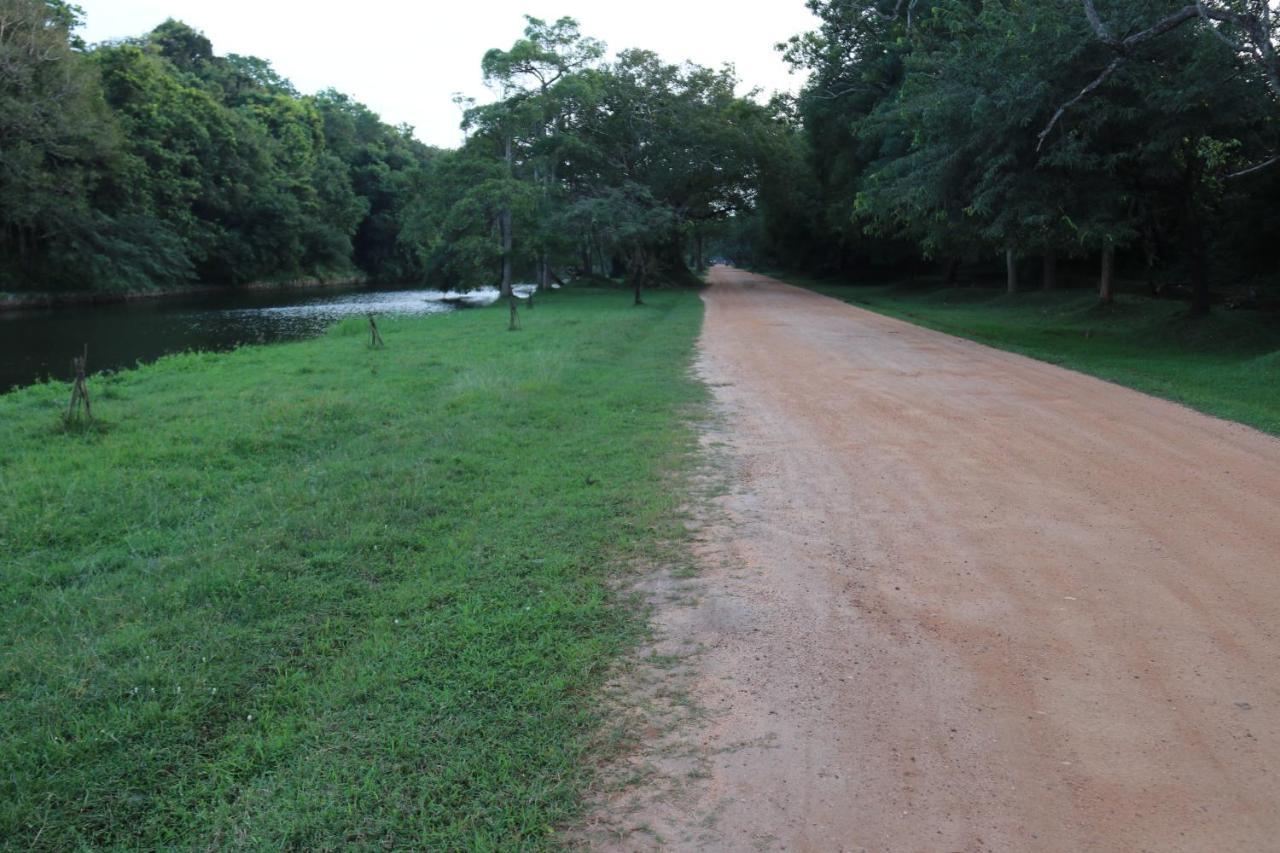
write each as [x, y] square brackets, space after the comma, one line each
[39, 343]
[317, 593]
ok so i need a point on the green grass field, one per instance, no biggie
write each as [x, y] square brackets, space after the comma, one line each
[316, 595]
[1227, 364]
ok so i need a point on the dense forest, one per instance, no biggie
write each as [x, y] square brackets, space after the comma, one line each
[974, 139]
[1005, 138]
[154, 162]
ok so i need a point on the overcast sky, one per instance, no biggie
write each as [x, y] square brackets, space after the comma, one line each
[405, 59]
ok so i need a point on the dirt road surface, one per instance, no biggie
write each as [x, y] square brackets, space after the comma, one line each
[960, 600]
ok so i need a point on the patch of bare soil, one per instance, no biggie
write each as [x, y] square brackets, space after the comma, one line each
[956, 600]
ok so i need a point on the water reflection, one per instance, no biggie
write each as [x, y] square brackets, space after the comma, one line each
[39, 344]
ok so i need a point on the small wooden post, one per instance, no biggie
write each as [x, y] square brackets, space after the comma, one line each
[514, 323]
[80, 390]
[375, 337]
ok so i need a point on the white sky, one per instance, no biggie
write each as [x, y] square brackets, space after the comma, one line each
[406, 59]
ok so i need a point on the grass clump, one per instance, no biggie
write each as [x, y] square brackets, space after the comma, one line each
[315, 595]
[1226, 364]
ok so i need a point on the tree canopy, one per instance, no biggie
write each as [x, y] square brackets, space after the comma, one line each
[154, 162]
[958, 131]
[975, 133]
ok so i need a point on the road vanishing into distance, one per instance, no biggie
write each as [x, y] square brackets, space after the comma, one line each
[959, 600]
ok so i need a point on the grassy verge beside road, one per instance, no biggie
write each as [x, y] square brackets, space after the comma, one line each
[318, 595]
[1227, 364]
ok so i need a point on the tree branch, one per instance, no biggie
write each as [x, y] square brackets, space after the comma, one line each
[1257, 168]
[1256, 35]
[1168, 24]
[1084, 93]
[897, 11]
[1204, 13]
[1095, 21]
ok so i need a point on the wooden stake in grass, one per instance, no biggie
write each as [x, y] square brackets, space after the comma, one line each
[375, 337]
[79, 390]
[514, 324]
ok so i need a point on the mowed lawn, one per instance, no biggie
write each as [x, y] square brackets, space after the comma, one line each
[317, 595]
[1226, 364]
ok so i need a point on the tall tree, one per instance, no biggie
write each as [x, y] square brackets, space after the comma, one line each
[55, 136]
[526, 76]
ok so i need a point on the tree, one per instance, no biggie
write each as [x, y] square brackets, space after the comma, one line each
[526, 76]
[55, 136]
[625, 219]
[454, 222]
[920, 120]
[154, 161]
[388, 168]
[1247, 27]
[1182, 119]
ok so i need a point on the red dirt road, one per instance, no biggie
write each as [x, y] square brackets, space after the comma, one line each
[962, 600]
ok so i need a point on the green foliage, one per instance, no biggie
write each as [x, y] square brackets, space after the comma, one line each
[922, 130]
[546, 54]
[627, 159]
[154, 162]
[316, 595]
[388, 171]
[451, 222]
[55, 138]
[166, 163]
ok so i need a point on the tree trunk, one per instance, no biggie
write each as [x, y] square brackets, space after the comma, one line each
[1197, 261]
[1106, 287]
[1150, 248]
[702, 260]
[638, 273]
[951, 273]
[1011, 270]
[505, 225]
[1193, 235]
[1199, 271]
[1050, 279]
[585, 259]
